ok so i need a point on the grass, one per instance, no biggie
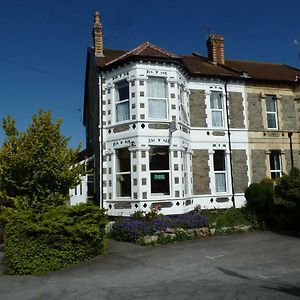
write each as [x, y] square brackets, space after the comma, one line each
[229, 217]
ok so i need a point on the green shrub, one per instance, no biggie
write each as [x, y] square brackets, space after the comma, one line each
[259, 199]
[229, 217]
[62, 236]
[287, 201]
[267, 180]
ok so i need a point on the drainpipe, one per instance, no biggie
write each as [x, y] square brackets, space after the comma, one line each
[101, 140]
[229, 142]
[290, 134]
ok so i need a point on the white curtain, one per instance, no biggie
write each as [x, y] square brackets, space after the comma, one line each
[220, 182]
[123, 111]
[217, 118]
[157, 108]
[157, 88]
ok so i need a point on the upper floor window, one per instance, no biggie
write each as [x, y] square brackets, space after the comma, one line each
[275, 164]
[183, 106]
[220, 171]
[271, 112]
[157, 98]
[159, 170]
[216, 107]
[123, 177]
[122, 101]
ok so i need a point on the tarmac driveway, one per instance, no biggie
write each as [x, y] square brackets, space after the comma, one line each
[261, 265]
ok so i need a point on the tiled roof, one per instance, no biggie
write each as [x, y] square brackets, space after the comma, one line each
[145, 50]
[265, 71]
[201, 66]
[198, 65]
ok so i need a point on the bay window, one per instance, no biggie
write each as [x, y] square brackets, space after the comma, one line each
[220, 171]
[159, 170]
[185, 173]
[157, 98]
[123, 174]
[183, 106]
[216, 108]
[122, 101]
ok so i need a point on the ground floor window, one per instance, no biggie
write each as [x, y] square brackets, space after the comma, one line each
[123, 176]
[275, 163]
[90, 185]
[185, 172]
[90, 178]
[159, 166]
[220, 171]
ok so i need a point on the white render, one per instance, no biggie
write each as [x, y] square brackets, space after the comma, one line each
[138, 140]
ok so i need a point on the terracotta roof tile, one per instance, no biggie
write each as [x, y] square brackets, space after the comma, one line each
[198, 65]
[146, 49]
[265, 71]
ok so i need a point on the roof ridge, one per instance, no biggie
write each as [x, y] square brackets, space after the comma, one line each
[128, 52]
[164, 51]
[291, 67]
[142, 48]
[253, 61]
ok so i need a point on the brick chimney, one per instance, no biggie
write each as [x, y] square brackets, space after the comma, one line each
[215, 48]
[98, 35]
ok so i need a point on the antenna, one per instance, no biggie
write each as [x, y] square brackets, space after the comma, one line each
[208, 31]
[297, 45]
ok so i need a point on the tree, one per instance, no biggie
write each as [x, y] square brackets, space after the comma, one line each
[36, 167]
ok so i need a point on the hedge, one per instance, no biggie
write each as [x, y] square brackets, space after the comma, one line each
[37, 243]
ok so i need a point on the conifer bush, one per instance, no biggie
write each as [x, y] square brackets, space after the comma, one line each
[62, 236]
[41, 233]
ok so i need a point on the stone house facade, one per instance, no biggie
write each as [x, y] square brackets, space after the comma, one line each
[177, 131]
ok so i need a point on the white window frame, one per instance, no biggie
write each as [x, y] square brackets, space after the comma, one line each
[160, 171]
[224, 172]
[217, 110]
[118, 173]
[272, 113]
[165, 99]
[274, 171]
[122, 102]
[186, 183]
[183, 106]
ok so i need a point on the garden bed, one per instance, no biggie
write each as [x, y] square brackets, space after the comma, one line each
[158, 229]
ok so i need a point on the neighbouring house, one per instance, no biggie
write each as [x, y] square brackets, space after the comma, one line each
[180, 131]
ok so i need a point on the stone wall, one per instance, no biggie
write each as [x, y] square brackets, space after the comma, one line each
[236, 110]
[197, 108]
[240, 168]
[296, 158]
[288, 113]
[258, 161]
[254, 112]
[201, 178]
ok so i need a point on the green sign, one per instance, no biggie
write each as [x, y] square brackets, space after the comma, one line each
[159, 176]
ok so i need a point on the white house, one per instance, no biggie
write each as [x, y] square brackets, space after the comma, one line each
[176, 130]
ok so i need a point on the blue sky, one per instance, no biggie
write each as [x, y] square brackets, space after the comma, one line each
[39, 37]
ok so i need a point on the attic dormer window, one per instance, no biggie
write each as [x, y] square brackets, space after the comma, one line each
[122, 101]
[157, 98]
